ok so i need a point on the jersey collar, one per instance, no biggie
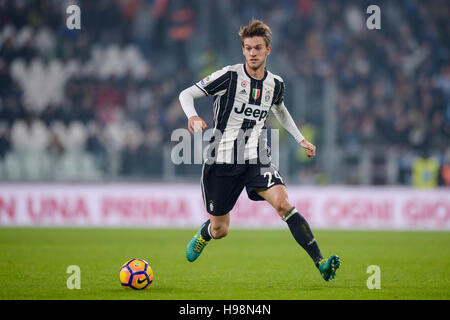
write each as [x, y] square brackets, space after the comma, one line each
[245, 70]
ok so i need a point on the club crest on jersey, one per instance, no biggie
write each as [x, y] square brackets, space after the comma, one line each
[211, 205]
[267, 94]
[256, 93]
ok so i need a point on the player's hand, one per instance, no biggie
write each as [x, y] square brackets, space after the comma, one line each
[196, 124]
[310, 149]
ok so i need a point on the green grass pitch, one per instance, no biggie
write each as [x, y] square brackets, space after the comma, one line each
[247, 264]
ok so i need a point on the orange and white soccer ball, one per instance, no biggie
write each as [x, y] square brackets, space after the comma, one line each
[136, 274]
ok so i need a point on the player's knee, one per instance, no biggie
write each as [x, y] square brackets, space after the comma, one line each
[219, 232]
[282, 205]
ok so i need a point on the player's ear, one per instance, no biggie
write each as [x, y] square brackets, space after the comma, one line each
[269, 48]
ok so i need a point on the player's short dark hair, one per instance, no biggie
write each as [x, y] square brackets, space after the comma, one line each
[256, 28]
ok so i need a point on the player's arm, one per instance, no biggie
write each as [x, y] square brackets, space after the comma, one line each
[284, 117]
[214, 84]
[186, 97]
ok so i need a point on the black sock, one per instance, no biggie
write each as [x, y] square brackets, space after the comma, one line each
[204, 232]
[302, 234]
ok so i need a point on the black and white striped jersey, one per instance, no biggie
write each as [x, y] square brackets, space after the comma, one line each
[241, 107]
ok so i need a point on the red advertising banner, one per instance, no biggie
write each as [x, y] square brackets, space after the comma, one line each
[181, 205]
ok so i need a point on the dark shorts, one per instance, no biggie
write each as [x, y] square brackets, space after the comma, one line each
[222, 184]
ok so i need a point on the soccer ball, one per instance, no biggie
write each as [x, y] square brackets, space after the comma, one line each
[136, 274]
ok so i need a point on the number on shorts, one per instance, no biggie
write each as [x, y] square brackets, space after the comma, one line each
[269, 183]
[276, 174]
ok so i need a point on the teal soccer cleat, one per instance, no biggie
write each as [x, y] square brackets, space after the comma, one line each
[195, 246]
[328, 267]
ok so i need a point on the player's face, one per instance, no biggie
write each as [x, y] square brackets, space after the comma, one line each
[255, 52]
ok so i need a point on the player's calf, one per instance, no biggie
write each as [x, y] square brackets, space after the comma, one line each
[302, 233]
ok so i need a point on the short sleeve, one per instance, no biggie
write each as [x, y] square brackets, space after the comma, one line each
[216, 83]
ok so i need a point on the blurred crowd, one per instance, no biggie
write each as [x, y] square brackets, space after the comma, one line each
[101, 102]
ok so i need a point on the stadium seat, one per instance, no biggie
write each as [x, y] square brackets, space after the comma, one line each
[13, 167]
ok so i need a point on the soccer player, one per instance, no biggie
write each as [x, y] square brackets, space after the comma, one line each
[243, 96]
